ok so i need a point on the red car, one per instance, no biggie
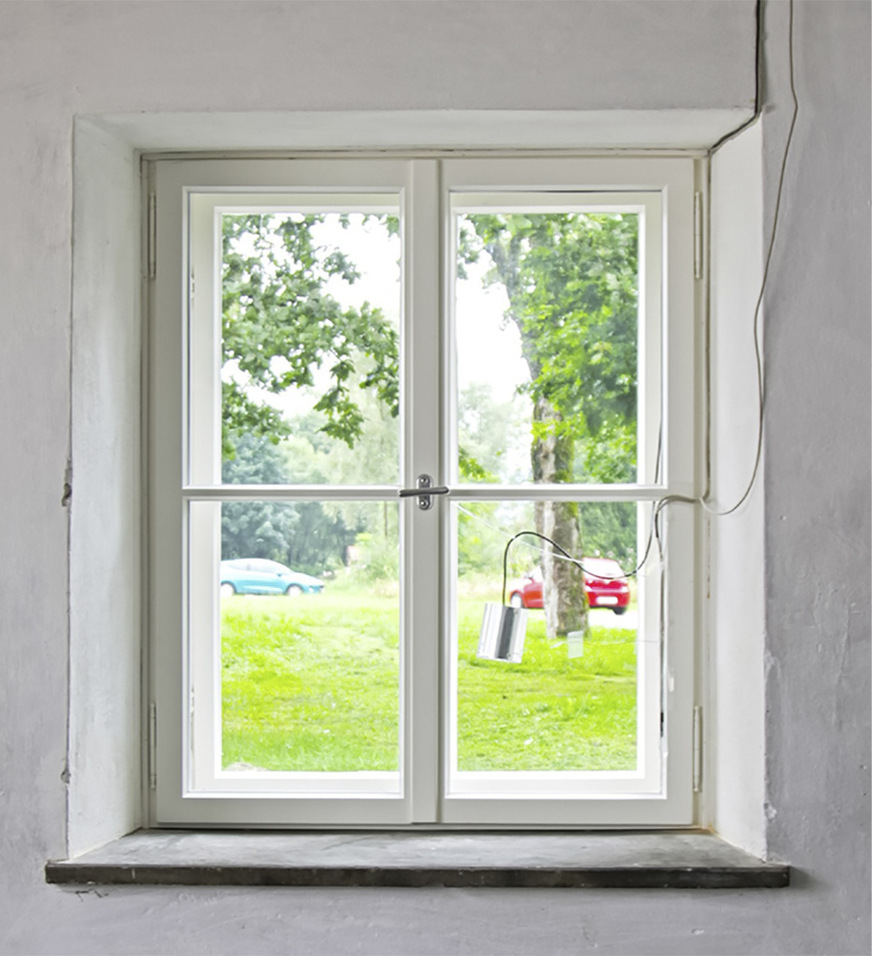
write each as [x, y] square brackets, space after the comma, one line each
[604, 585]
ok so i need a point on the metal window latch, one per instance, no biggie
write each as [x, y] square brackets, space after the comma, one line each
[424, 492]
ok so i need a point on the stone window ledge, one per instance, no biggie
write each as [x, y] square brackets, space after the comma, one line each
[667, 859]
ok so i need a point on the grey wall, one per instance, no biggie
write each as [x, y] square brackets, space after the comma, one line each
[817, 459]
[58, 60]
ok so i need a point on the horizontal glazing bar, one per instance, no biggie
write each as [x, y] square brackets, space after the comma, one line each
[553, 492]
[290, 492]
[495, 492]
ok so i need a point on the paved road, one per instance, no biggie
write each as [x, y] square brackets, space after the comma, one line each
[602, 617]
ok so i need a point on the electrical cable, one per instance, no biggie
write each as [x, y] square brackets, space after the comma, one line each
[553, 543]
[758, 354]
[636, 641]
[704, 501]
[758, 73]
[564, 555]
[660, 504]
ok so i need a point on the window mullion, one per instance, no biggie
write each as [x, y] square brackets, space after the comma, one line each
[421, 613]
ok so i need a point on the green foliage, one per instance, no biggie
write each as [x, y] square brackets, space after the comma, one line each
[279, 327]
[480, 543]
[256, 529]
[571, 283]
[378, 555]
[313, 457]
[608, 530]
[303, 534]
[571, 280]
[486, 431]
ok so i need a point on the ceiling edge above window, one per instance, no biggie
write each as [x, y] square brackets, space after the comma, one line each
[679, 129]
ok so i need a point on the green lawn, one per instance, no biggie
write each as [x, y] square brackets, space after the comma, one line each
[549, 712]
[312, 684]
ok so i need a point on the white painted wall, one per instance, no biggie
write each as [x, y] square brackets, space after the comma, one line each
[60, 60]
[106, 563]
[735, 604]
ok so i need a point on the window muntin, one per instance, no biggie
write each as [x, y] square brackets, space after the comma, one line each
[425, 611]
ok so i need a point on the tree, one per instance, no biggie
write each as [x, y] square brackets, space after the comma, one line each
[301, 534]
[255, 529]
[312, 458]
[281, 331]
[279, 327]
[571, 281]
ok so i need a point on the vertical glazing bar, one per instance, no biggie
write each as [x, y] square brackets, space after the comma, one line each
[421, 381]
[203, 443]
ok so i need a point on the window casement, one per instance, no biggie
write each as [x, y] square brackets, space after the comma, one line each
[325, 331]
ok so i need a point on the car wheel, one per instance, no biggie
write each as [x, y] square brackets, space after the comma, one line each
[619, 610]
[516, 600]
[227, 589]
[294, 590]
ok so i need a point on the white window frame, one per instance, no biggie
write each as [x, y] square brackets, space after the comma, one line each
[427, 447]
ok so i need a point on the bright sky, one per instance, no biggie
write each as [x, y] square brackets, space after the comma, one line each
[487, 352]
[479, 311]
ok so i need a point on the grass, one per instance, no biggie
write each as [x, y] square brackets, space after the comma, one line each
[313, 684]
[310, 683]
[549, 712]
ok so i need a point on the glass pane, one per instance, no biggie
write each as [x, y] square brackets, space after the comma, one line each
[552, 300]
[310, 347]
[570, 701]
[309, 636]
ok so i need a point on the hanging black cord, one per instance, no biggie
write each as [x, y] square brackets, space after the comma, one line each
[652, 534]
[537, 535]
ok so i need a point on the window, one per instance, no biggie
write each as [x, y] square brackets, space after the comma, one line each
[325, 332]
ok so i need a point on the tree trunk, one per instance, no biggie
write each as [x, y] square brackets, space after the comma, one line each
[563, 594]
[552, 458]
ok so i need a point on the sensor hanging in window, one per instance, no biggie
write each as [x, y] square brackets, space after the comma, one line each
[503, 628]
[502, 634]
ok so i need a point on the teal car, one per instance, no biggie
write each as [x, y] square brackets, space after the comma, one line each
[261, 576]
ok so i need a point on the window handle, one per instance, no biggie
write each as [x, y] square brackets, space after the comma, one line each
[424, 491]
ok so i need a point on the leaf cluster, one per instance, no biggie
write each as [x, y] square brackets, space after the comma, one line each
[572, 284]
[302, 534]
[280, 327]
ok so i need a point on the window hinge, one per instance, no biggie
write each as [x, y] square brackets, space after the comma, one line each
[697, 235]
[191, 725]
[697, 749]
[151, 239]
[152, 745]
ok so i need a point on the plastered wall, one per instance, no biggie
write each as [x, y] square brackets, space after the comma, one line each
[61, 60]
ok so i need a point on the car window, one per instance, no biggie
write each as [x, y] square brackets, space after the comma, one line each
[266, 566]
[603, 567]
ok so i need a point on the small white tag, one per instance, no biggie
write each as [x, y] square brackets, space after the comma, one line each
[575, 643]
